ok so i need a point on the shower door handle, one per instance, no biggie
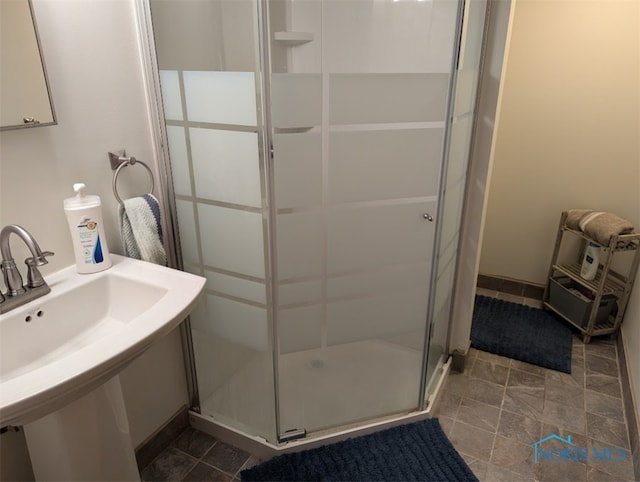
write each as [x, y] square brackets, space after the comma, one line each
[428, 217]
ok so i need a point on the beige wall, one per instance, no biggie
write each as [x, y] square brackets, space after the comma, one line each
[568, 137]
[568, 131]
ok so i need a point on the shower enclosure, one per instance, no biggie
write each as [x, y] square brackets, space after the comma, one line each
[317, 151]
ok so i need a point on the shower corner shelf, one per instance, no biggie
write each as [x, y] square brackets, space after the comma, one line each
[609, 288]
[293, 39]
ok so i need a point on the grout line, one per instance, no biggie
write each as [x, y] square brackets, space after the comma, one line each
[219, 469]
[584, 388]
[242, 467]
[584, 391]
[624, 410]
[194, 460]
[504, 394]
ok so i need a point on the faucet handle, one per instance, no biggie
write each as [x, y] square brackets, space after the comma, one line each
[38, 260]
[34, 277]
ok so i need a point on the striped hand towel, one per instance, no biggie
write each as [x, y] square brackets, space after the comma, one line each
[141, 231]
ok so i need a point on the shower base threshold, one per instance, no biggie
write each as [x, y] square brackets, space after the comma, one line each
[264, 450]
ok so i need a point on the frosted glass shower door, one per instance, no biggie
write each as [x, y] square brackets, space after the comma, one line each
[359, 95]
[210, 78]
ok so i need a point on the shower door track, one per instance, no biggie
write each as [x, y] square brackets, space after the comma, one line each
[263, 449]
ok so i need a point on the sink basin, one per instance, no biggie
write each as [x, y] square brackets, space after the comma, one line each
[57, 348]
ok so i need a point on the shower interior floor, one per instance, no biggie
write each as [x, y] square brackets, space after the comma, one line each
[323, 388]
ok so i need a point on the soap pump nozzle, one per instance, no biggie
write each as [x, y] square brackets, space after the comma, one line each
[79, 188]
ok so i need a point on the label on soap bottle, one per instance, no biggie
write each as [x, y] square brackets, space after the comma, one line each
[89, 237]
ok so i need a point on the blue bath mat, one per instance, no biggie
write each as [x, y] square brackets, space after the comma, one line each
[417, 451]
[521, 332]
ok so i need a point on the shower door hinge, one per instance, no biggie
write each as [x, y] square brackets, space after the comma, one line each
[293, 434]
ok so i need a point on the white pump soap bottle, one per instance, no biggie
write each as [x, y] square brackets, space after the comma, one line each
[590, 261]
[84, 215]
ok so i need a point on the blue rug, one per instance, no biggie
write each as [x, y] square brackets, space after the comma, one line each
[521, 332]
[417, 451]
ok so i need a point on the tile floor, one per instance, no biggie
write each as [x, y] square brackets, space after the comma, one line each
[492, 413]
[498, 407]
[196, 456]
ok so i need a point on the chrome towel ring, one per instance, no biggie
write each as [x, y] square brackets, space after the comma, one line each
[119, 161]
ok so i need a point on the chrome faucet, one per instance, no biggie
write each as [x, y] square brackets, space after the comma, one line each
[17, 294]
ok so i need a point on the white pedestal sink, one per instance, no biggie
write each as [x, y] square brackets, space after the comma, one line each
[60, 356]
[86, 440]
